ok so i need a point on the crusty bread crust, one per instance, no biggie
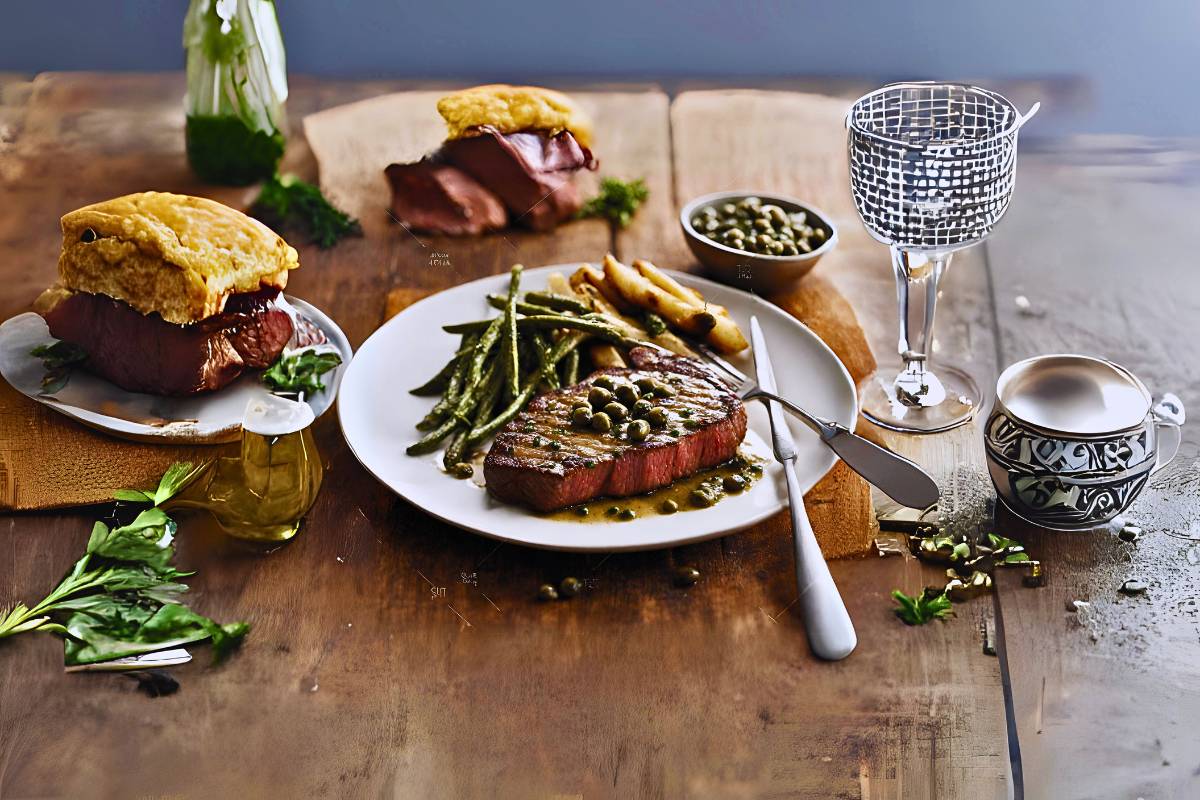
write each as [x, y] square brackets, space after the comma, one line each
[173, 254]
[511, 109]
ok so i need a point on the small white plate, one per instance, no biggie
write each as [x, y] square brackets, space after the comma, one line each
[378, 413]
[203, 419]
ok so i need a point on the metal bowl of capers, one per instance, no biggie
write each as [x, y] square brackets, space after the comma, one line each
[754, 240]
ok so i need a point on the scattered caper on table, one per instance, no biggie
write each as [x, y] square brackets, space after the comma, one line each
[686, 576]
[758, 227]
[547, 592]
[570, 586]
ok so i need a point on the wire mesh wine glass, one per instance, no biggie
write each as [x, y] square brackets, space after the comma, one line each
[931, 170]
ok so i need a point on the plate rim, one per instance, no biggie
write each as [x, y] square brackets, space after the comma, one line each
[700, 283]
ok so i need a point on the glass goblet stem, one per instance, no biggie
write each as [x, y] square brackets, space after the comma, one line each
[917, 278]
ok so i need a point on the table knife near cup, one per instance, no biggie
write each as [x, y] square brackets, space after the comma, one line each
[827, 623]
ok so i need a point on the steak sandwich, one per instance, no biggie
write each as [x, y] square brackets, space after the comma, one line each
[509, 157]
[541, 461]
[170, 294]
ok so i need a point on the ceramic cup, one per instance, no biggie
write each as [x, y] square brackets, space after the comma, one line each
[1072, 439]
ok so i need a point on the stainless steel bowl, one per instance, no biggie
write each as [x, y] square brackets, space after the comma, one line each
[1072, 439]
[745, 270]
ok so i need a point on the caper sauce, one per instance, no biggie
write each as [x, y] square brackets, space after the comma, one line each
[763, 228]
[702, 490]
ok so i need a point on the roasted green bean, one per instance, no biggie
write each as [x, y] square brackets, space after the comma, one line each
[437, 384]
[512, 362]
[499, 301]
[570, 375]
[450, 398]
[430, 441]
[543, 354]
[563, 346]
[558, 302]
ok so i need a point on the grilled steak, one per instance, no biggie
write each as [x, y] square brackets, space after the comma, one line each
[530, 171]
[706, 423]
[434, 197]
[144, 353]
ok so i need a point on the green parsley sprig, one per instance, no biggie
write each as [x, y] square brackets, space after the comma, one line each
[301, 370]
[288, 202]
[59, 359]
[922, 608]
[617, 201]
[122, 597]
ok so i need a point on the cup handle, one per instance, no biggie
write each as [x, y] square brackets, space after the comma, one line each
[1168, 417]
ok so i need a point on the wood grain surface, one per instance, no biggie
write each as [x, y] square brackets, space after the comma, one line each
[362, 678]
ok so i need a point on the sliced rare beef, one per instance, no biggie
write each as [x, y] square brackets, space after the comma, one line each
[529, 171]
[433, 197]
[144, 353]
[707, 423]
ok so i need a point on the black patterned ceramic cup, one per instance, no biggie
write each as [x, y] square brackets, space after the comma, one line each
[1072, 439]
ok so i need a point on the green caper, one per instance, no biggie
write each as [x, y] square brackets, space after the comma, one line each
[598, 396]
[657, 416]
[581, 415]
[627, 514]
[601, 422]
[462, 470]
[662, 389]
[639, 430]
[628, 393]
[819, 234]
[709, 211]
[570, 586]
[645, 383]
[686, 576]
[804, 246]
[697, 222]
[691, 424]
[755, 469]
[547, 592]
[605, 382]
[733, 483]
[641, 408]
[791, 250]
[701, 498]
[738, 244]
[615, 411]
[729, 209]
[752, 202]
[762, 224]
[582, 511]
[669, 507]
[612, 511]
[555, 445]
[777, 249]
[711, 225]
[675, 432]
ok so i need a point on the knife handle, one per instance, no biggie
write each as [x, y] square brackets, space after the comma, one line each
[830, 631]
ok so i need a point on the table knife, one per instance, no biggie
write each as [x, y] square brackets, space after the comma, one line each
[827, 623]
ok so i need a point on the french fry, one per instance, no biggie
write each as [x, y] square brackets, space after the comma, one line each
[668, 284]
[589, 275]
[693, 319]
[605, 355]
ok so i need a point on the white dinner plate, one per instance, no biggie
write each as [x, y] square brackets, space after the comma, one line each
[201, 419]
[377, 413]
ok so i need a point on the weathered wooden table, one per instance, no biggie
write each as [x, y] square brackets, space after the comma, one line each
[358, 680]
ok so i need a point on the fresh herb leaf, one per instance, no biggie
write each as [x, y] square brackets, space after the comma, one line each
[922, 608]
[288, 202]
[58, 359]
[617, 201]
[177, 476]
[301, 371]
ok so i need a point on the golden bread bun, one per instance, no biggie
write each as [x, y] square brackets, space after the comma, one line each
[512, 109]
[173, 254]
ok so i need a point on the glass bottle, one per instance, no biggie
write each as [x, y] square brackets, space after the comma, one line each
[260, 488]
[236, 90]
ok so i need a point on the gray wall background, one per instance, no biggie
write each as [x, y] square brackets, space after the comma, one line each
[1134, 65]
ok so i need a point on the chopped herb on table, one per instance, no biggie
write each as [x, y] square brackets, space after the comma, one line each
[300, 371]
[617, 201]
[58, 358]
[922, 608]
[288, 202]
[122, 597]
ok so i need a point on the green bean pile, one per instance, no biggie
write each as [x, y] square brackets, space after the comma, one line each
[500, 365]
[758, 227]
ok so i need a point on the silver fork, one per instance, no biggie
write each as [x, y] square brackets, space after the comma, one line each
[899, 478]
